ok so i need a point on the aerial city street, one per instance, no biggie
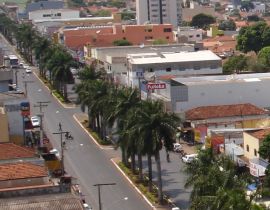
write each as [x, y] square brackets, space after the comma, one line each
[134, 105]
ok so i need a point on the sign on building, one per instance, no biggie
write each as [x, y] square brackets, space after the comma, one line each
[154, 86]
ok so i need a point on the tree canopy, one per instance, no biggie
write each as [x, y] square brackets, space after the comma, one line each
[202, 20]
[235, 64]
[253, 38]
[227, 25]
[122, 42]
[264, 56]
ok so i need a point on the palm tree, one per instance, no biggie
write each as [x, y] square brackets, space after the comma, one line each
[42, 48]
[157, 129]
[59, 64]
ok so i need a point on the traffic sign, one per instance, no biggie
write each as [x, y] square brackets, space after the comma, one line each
[154, 86]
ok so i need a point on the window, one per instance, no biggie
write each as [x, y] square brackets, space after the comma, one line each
[255, 152]
[168, 69]
[190, 36]
[167, 30]
[197, 67]
[167, 37]
[148, 37]
[247, 148]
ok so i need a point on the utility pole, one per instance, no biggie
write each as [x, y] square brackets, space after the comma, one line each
[99, 192]
[41, 104]
[16, 78]
[62, 146]
[25, 86]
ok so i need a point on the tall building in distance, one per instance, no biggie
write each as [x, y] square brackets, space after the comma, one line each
[158, 12]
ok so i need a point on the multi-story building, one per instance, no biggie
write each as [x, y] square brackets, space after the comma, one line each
[104, 36]
[160, 64]
[159, 11]
[53, 14]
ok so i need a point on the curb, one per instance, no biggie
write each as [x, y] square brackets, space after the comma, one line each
[62, 104]
[136, 188]
[89, 134]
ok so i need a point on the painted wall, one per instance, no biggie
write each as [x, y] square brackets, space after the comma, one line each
[250, 145]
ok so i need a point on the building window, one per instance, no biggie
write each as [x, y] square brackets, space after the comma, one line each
[190, 36]
[168, 69]
[167, 37]
[167, 30]
[124, 38]
[197, 67]
[255, 152]
[247, 147]
[198, 35]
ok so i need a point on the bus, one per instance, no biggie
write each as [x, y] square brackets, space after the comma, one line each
[13, 61]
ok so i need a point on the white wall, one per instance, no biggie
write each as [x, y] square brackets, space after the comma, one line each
[53, 14]
[226, 93]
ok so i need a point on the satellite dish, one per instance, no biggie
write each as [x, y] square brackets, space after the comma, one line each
[142, 45]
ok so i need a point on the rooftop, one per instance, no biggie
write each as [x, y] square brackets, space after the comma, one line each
[172, 57]
[60, 201]
[21, 171]
[234, 78]
[260, 134]
[234, 110]
[13, 151]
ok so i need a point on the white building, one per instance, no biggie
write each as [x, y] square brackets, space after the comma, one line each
[187, 93]
[258, 7]
[51, 14]
[188, 34]
[151, 11]
[113, 59]
[171, 63]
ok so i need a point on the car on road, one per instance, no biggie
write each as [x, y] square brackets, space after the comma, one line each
[28, 71]
[35, 120]
[177, 147]
[189, 158]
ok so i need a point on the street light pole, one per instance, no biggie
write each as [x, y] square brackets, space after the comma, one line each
[25, 86]
[99, 192]
[62, 147]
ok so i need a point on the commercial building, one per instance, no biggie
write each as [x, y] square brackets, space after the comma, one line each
[6, 77]
[171, 63]
[53, 14]
[187, 93]
[188, 34]
[114, 59]
[159, 12]
[104, 36]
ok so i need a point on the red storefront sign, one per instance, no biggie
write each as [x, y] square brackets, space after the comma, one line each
[154, 86]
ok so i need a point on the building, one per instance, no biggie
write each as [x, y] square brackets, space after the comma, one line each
[186, 93]
[40, 5]
[113, 59]
[188, 34]
[53, 14]
[221, 117]
[4, 132]
[252, 142]
[171, 63]
[104, 36]
[259, 7]
[50, 26]
[6, 77]
[159, 12]
[12, 106]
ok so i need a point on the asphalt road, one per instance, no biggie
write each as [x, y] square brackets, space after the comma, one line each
[90, 165]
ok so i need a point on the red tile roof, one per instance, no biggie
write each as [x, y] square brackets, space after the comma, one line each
[21, 171]
[208, 112]
[13, 151]
[260, 134]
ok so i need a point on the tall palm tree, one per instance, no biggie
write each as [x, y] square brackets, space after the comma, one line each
[157, 128]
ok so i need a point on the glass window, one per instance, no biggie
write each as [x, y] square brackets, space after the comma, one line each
[247, 147]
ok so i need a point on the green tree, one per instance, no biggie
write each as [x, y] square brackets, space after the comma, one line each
[264, 152]
[252, 38]
[202, 20]
[122, 42]
[235, 64]
[246, 5]
[264, 56]
[254, 18]
[157, 130]
[227, 25]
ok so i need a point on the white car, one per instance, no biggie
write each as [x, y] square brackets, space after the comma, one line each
[55, 152]
[35, 120]
[189, 158]
[28, 70]
[177, 147]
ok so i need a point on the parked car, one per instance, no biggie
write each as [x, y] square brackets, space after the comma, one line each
[189, 158]
[177, 147]
[28, 70]
[35, 120]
